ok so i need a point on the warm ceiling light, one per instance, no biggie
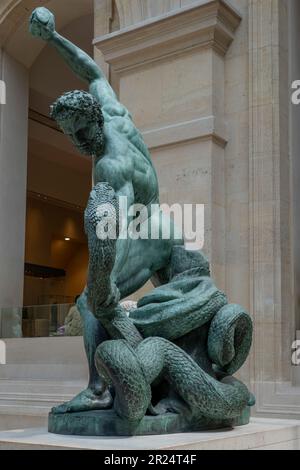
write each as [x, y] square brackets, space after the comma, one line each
[67, 239]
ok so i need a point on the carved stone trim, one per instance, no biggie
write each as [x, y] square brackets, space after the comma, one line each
[211, 24]
[208, 128]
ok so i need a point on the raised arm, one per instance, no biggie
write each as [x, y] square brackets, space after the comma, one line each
[42, 25]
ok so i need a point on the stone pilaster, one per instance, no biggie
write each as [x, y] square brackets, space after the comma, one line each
[13, 175]
[169, 71]
[271, 279]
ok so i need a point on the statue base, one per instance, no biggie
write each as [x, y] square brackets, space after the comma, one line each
[107, 423]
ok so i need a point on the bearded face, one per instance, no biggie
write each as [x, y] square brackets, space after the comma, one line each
[86, 135]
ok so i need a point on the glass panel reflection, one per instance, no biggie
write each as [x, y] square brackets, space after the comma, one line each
[38, 321]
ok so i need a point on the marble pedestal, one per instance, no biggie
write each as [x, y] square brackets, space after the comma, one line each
[107, 423]
[260, 434]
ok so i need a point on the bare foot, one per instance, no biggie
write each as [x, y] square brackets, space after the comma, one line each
[87, 400]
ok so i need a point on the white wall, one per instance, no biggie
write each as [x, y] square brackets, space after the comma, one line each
[13, 173]
[295, 146]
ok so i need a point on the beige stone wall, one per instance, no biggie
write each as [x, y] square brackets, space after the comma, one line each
[271, 209]
[13, 172]
[237, 262]
[135, 11]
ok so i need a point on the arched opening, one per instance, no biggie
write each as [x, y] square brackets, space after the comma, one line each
[58, 184]
[54, 263]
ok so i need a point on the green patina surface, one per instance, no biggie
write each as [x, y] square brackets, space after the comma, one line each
[108, 423]
[167, 366]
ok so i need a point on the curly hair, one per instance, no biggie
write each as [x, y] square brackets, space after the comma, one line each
[74, 102]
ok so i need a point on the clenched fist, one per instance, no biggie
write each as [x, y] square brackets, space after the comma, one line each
[42, 23]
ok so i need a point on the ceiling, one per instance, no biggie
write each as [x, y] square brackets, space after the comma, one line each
[20, 44]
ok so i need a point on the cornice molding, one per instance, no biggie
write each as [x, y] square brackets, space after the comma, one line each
[211, 24]
[43, 119]
[271, 277]
[46, 199]
[207, 128]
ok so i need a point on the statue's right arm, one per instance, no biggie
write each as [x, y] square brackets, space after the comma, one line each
[42, 25]
[85, 68]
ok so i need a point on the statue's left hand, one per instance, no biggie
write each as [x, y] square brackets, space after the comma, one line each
[42, 23]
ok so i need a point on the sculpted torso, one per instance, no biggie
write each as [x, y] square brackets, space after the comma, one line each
[126, 164]
[126, 161]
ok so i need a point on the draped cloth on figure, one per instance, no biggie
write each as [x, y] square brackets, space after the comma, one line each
[188, 300]
[186, 303]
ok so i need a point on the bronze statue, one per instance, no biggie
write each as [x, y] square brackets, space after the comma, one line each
[167, 366]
